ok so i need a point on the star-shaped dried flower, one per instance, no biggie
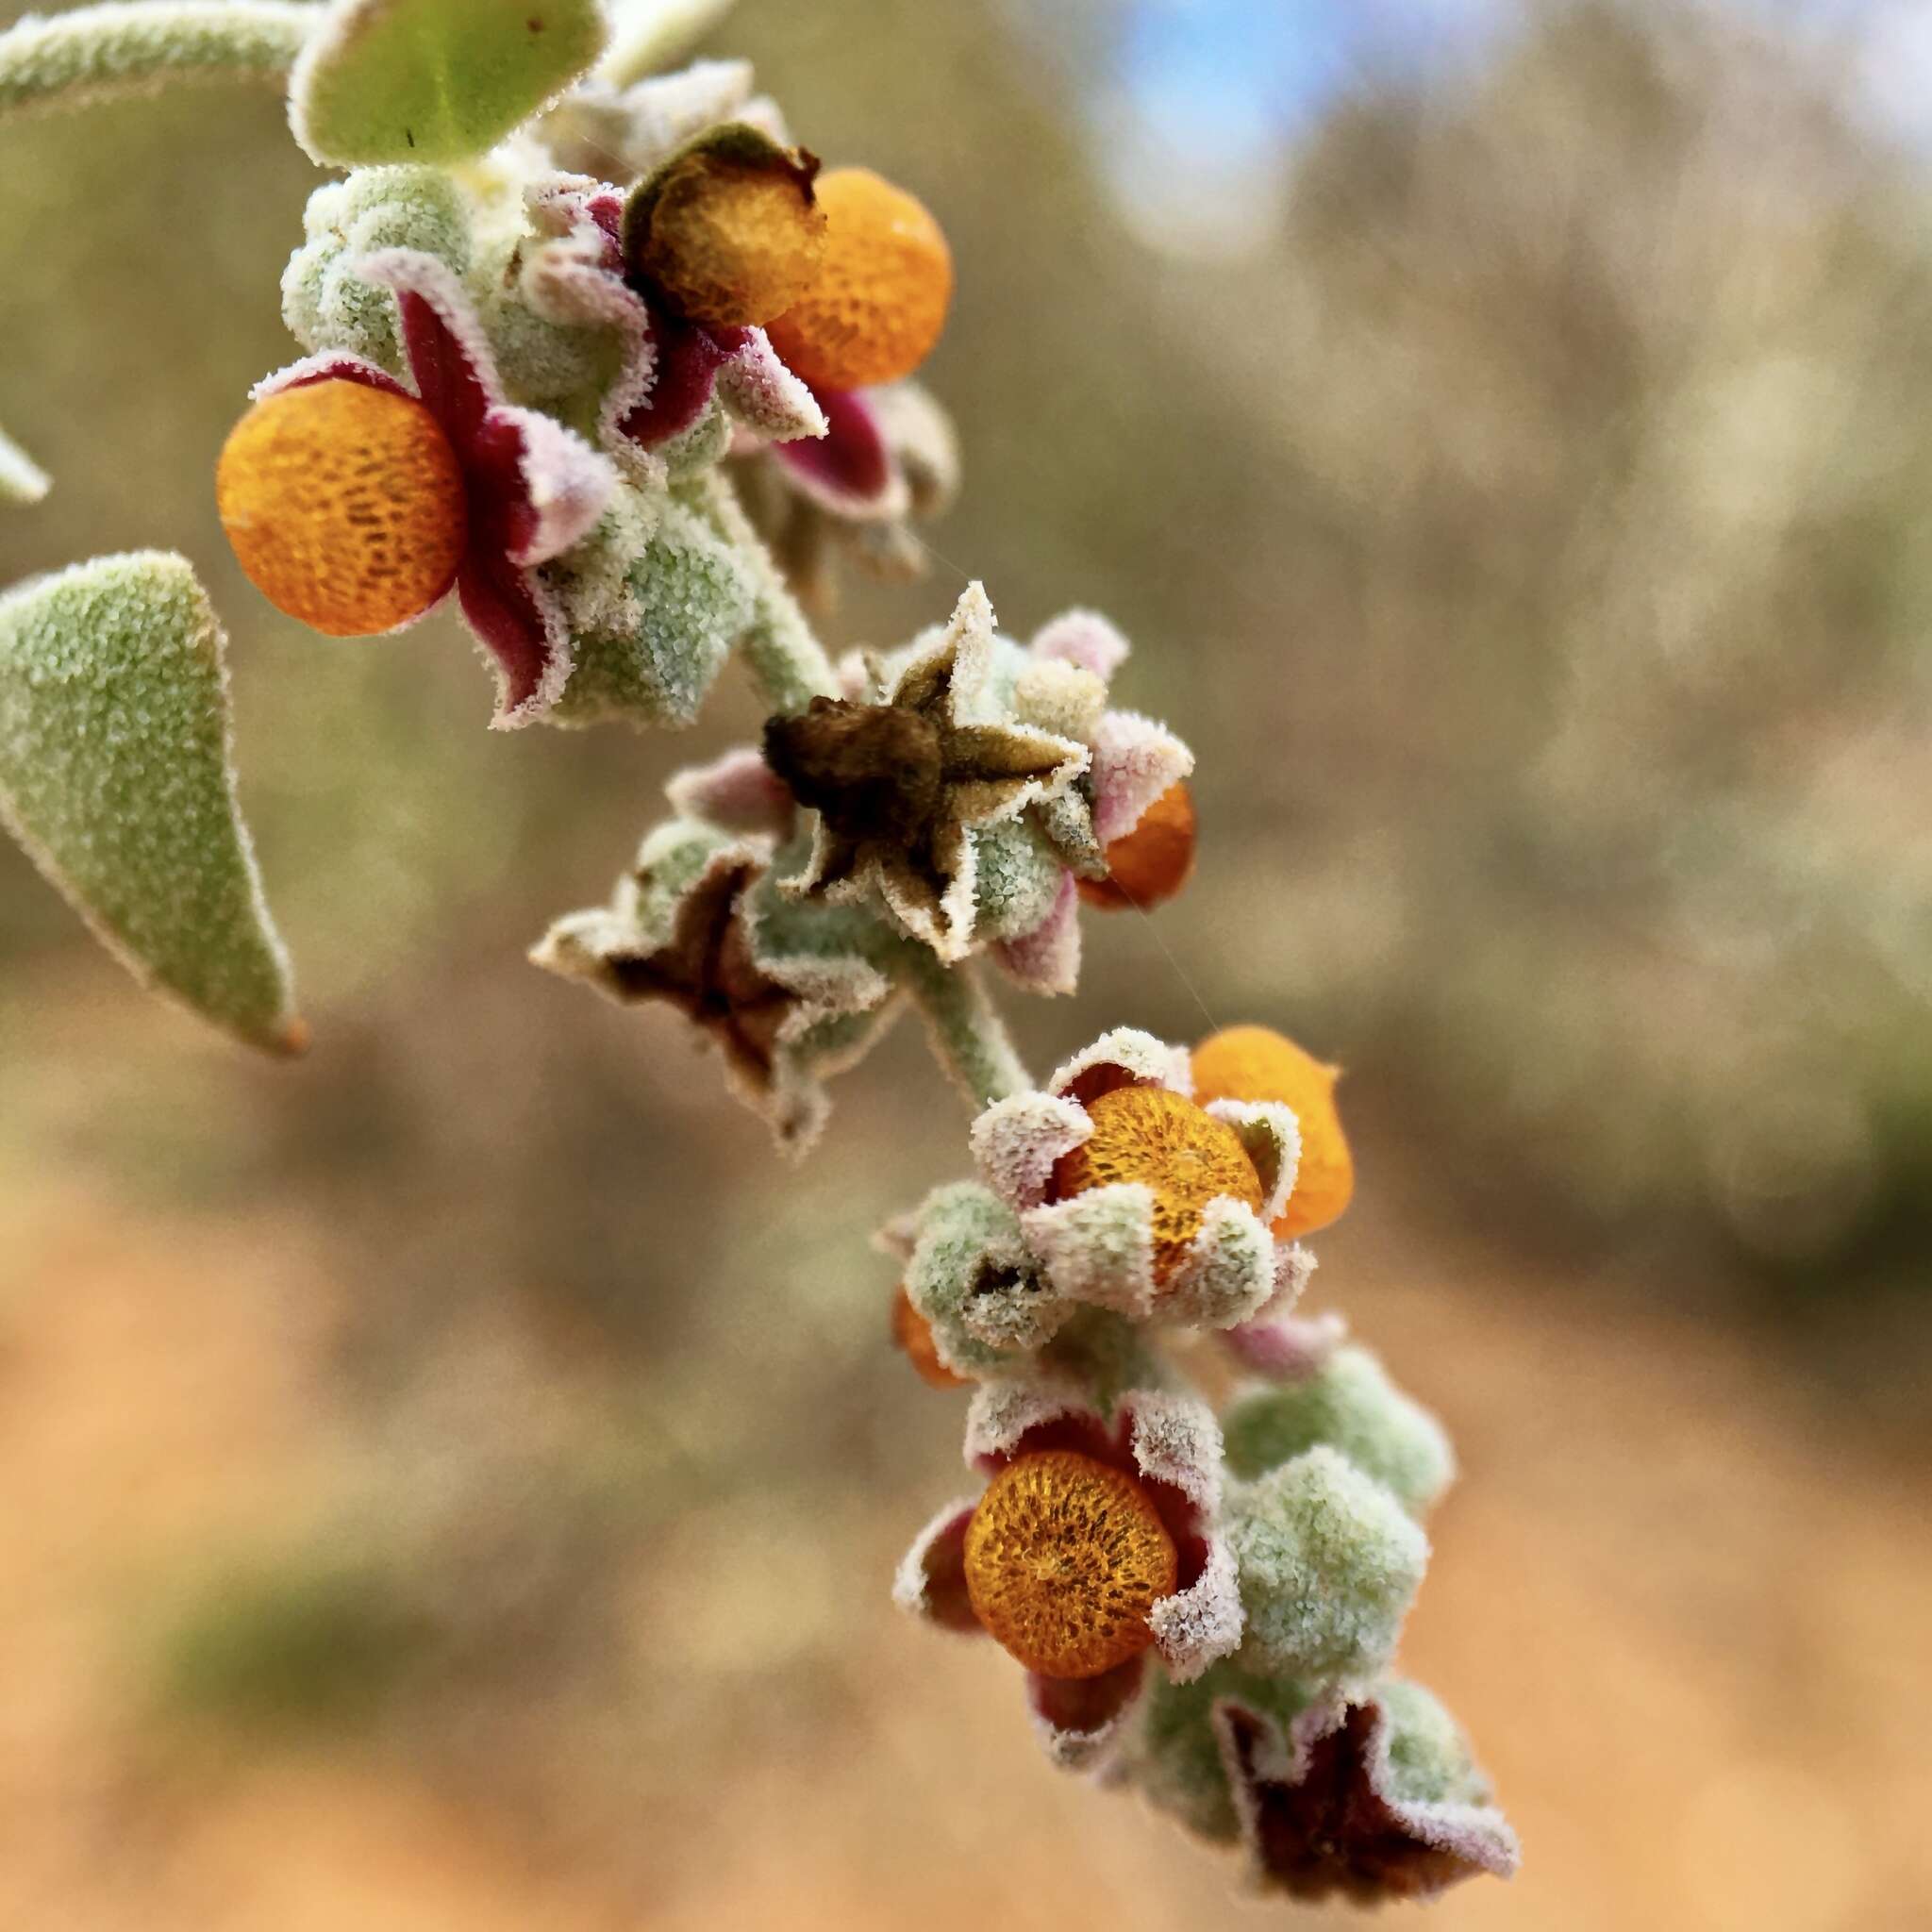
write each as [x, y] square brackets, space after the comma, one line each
[901, 784]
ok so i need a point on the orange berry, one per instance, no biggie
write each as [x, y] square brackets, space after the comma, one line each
[344, 504]
[880, 297]
[729, 233]
[1186, 1155]
[1253, 1063]
[1152, 862]
[1065, 1557]
[912, 1334]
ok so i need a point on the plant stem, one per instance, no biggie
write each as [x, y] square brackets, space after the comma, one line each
[132, 46]
[22, 479]
[783, 653]
[967, 1035]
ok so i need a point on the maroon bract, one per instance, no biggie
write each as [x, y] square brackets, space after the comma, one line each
[1322, 1815]
[851, 469]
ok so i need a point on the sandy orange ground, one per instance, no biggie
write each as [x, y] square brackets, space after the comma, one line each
[1687, 1617]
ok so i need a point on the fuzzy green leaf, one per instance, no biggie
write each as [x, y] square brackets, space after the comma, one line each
[1351, 1404]
[434, 80]
[1329, 1564]
[131, 46]
[115, 776]
[22, 479]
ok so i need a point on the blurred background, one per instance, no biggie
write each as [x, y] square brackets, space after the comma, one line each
[455, 1481]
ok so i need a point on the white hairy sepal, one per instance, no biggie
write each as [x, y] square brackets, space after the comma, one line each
[1126, 1056]
[1349, 1405]
[913, 1581]
[1086, 639]
[1174, 1758]
[1045, 960]
[758, 391]
[326, 302]
[1177, 1441]
[1135, 761]
[1098, 1247]
[1272, 1138]
[1329, 1563]
[1197, 1627]
[1425, 1759]
[1227, 1275]
[1016, 1142]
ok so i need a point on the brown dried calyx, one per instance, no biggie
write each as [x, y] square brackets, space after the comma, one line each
[727, 232]
[869, 770]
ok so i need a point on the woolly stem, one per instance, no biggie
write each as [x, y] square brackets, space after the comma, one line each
[659, 37]
[965, 1031]
[22, 479]
[784, 656]
[132, 46]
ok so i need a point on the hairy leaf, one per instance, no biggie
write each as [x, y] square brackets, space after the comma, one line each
[115, 776]
[434, 80]
[97, 52]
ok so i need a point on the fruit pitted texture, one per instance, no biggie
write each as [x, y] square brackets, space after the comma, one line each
[1065, 1557]
[1151, 863]
[1186, 1155]
[344, 504]
[883, 287]
[912, 1333]
[1256, 1063]
[731, 243]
